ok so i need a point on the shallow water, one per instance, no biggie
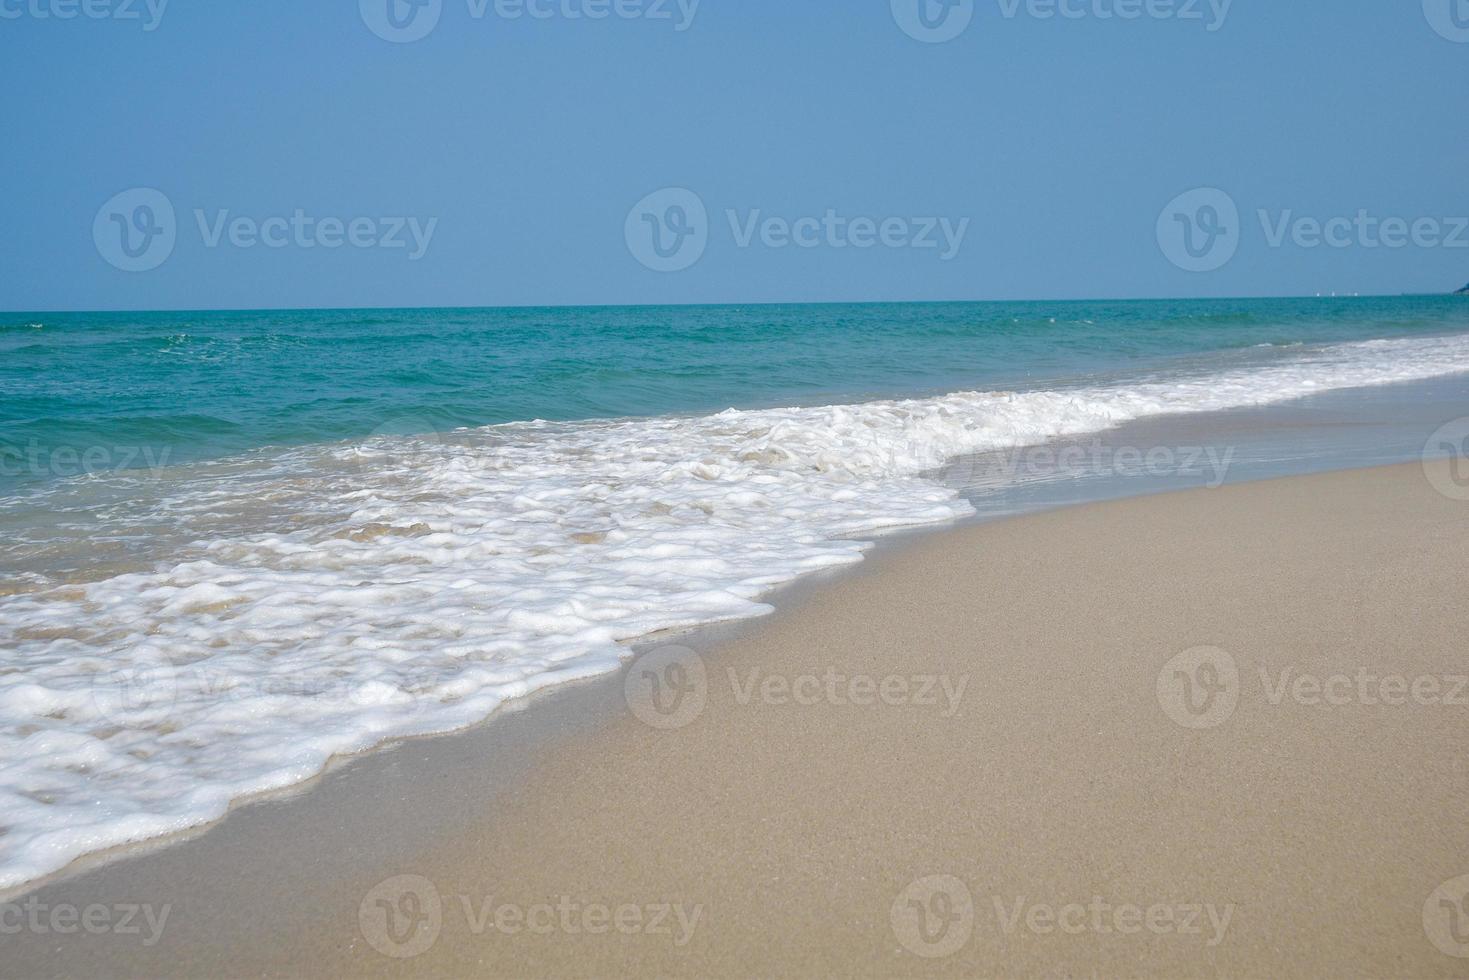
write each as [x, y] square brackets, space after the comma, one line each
[179, 636]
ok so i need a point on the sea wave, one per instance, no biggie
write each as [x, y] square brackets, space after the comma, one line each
[446, 574]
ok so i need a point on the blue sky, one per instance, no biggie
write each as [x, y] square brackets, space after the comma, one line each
[519, 147]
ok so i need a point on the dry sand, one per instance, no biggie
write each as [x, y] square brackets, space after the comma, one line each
[1054, 819]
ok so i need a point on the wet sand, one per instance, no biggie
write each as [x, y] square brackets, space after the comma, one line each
[1203, 733]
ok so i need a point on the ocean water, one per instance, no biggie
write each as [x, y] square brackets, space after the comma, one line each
[237, 544]
[179, 387]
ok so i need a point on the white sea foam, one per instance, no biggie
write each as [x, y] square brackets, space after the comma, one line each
[427, 582]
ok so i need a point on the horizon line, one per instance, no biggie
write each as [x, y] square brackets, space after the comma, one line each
[714, 305]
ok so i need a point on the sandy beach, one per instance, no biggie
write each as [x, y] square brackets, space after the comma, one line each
[1216, 732]
[653, 488]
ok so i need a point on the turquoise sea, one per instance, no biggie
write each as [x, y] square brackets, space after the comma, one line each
[180, 387]
[234, 546]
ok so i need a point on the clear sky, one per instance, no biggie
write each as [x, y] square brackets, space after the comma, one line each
[1060, 139]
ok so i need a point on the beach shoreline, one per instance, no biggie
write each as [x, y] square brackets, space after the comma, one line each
[1046, 771]
[1364, 427]
[187, 638]
[462, 517]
